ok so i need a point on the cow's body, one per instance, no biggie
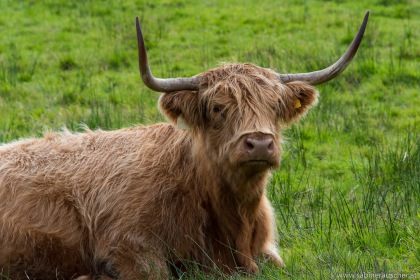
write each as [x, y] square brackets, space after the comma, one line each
[73, 202]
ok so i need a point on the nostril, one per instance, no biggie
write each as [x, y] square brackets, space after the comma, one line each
[249, 145]
[270, 145]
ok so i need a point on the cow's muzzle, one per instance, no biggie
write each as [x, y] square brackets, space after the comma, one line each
[260, 150]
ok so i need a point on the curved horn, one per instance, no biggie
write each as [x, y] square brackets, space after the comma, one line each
[322, 76]
[156, 84]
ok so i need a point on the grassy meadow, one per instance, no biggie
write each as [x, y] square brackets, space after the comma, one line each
[348, 192]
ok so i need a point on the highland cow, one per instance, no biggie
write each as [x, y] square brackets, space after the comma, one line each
[145, 202]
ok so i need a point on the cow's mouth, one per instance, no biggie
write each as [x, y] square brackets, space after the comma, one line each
[258, 165]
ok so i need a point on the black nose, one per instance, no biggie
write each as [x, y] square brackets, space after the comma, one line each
[259, 146]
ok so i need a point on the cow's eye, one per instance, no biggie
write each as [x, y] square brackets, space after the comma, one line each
[217, 108]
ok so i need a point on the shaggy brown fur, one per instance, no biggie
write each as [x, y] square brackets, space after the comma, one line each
[124, 204]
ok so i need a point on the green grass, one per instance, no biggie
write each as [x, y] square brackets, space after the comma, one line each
[348, 192]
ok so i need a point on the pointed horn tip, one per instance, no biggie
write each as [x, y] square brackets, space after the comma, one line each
[137, 22]
[366, 16]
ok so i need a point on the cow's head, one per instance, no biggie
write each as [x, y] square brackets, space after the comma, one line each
[237, 114]
[236, 111]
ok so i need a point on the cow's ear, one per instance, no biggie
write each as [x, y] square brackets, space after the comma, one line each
[181, 108]
[297, 99]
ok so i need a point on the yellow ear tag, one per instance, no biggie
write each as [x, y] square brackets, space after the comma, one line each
[296, 103]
